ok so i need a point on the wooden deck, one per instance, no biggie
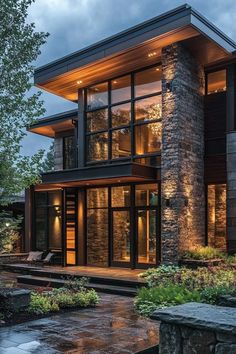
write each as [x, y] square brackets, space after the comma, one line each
[86, 271]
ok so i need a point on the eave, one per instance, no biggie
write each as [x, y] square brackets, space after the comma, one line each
[128, 50]
[52, 125]
[98, 175]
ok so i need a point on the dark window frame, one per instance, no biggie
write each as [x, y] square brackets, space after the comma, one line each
[130, 126]
[65, 167]
[133, 208]
[46, 207]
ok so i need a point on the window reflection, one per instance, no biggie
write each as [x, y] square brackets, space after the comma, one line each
[120, 196]
[121, 90]
[148, 109]
[97, 120]
[146, 195]
[121, 115]
[121, 143]
[148, 81]
[216, 82]
[148, 138]
[97, 147]
[97, 96]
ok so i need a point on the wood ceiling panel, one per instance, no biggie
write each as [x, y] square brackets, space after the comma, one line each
[66, 85]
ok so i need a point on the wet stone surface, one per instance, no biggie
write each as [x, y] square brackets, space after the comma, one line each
[112, 327]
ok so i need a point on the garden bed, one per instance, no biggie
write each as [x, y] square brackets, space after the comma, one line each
[44, 302]
[171, 285]
[195, 263]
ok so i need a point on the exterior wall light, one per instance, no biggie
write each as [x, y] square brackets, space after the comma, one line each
[167, 202]
[186, 202]
[169, 86]
[57, 210]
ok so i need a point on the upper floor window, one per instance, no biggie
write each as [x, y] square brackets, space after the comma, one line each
[123, 118]
[216, 82]
[69, 152]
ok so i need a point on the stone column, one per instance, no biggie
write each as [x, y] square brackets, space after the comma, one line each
[231, 191]
[182, 166]
[58, 154]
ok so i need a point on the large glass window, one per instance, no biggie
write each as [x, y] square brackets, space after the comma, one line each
[216, 215]
[97, 226]
[69, 152]
[216, 82]
[97, 96]
[148, 81]
[121, 89]
[47, 220]
[136, 110]
[110, 211]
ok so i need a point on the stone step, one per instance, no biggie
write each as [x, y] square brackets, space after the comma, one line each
[57, 274]
[57, 283]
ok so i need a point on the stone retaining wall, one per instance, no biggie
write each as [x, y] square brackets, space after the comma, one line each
[197, 328]
[12, 258]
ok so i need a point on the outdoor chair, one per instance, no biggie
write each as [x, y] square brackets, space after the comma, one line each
[47, 260]
[33, 257]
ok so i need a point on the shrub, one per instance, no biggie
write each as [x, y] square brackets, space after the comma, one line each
[76, 284]
[192, 279]
[161, 275]
[211, 295]
[203, 253]
[149, 299]
[9, 231]
[50, 301]
[42, 304]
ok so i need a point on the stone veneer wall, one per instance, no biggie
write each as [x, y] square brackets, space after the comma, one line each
[58, 154]
[217, 216]
[197, 328]
[182, 161]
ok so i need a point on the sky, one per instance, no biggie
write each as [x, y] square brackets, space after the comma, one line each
[74, 24]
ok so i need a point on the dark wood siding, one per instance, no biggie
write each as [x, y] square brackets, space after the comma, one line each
[215, 138]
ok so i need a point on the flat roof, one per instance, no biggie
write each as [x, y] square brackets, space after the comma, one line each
[178, 24]
[51, 125]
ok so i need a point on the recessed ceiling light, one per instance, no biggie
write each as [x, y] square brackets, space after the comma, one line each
[152, 54]
[114, 82]
[157, 69]
[79, 82]
[119, 180]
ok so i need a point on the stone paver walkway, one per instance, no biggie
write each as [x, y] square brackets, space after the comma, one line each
[112, 327]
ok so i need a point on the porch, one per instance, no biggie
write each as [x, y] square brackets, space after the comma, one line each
[120, 281]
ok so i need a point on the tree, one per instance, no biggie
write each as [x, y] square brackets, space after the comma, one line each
[19, 107]
[48, 163]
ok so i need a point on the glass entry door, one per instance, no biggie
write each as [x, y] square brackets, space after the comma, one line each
[146, 236]
[120, 245]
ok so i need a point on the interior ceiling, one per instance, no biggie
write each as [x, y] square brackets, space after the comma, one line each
[95, 182]
[67, 86]
[54, 128]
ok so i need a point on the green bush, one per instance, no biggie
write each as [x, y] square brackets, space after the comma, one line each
[149, 299]
[211, 295]
[50, 301]
[41, 304]
[203, 253]
[192, 279]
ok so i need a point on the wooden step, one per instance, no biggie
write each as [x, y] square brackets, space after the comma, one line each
[62, 275]
[57, 283]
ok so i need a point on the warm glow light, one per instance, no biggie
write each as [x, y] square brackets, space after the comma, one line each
[157, 69]
[114, 82]
[151, 54]
[79, 82]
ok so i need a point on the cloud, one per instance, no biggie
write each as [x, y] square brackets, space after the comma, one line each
[74, 24]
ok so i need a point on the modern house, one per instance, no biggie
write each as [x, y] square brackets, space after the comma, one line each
[146, 166]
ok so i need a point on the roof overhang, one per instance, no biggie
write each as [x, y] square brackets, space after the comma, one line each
[128, 50]
[98, 175]
[55, 124]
